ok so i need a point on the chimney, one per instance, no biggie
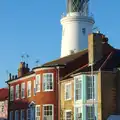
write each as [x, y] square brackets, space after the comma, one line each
[95, 47]
[23, 69]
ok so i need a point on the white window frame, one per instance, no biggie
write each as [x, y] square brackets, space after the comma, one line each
[66, 114]
[66, 85]
[75, 115]
[21, 118]
[52, 110]
[47, 90]
[23, 89]
[17, 91]
[28, 118]
[11, 93]
[16, 117]
[91, 88]
[38, 81]
[2, 107]
[11, 115]
[80, 79]
[37, 117]
[34, 88]
[28, 82]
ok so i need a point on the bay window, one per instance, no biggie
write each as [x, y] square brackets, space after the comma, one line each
[48, 82]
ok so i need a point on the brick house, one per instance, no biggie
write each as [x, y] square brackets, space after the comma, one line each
[33, 94]
[3, 103]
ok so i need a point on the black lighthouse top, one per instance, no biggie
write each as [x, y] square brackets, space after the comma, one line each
[80, 6]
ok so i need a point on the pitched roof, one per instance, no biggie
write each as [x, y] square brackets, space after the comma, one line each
[64, 60]
[3, 94]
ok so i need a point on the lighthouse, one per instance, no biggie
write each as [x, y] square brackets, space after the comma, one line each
[76, 25]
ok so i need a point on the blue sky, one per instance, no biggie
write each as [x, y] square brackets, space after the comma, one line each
[33, 27]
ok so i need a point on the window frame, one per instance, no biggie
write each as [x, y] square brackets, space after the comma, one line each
[92, 92]
[48, 90]
[52, 110]
[11, 117]
[29, 82]
[87, 106]
[12, 90]
[38, 75]
[15, 114]
[22, 114]
[36, 111]
[27, 114]
[76, 107]
[79, 78]
[67, 84]
[66, 113]
[17, 91]
[23, 84]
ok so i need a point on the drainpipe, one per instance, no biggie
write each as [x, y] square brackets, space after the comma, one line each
[58, 91]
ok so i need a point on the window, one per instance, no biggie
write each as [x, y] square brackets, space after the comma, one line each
[11, 115]
[89, 112]
[48, 112]
[68, 115]
[90, 89]
[1, 107]
[34, 89]
[83, 31]
[37, 83]
[78, 88]
[11, 93]
[17, 92]
[16, 115]
[48, 82]
[28, 114]
[23, 90]
[78, 113]
[37, 112]
[29, 88]
[68, 91]
[22, 114]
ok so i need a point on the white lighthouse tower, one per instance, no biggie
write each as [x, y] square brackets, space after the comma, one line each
[76, 26]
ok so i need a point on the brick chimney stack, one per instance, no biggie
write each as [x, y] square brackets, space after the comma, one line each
[95, 47]
[23, 69]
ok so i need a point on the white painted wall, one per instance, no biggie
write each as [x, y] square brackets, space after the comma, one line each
[72, 33]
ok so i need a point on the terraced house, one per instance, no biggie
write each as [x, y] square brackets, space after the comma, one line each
[65, 89]
[92, 91]
[32, 94]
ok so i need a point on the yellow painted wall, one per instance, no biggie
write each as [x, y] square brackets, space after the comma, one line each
[69, 104]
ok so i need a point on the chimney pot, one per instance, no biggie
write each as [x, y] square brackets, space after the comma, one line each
[9, 76]
[13, 77]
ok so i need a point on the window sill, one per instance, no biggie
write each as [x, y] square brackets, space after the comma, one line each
[28, 96]
[68, 99]
[48, 90]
